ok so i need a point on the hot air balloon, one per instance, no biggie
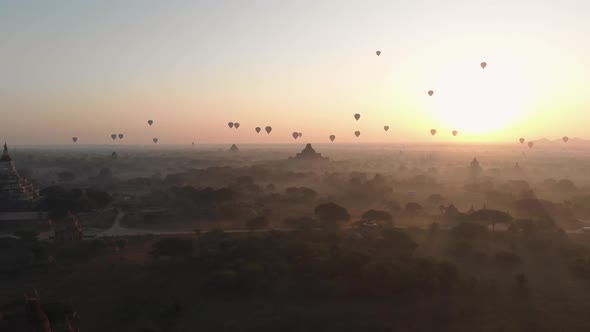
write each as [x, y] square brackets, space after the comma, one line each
[483, 65]
[295, 135]
[150, 122]
[332, 138]
[236, 125]
[75, 139]
[565, 139]
[357, 133]
[432, 132]
[114, 136]
[357, 116]
[257, 130]
[230, 124]
[378, 53]
[268, 129]
[454, 133]
[521, 140]
[531, 144]
[300, 134]
[155, 139]
[430, 92]
[121, 136]
[386, 128]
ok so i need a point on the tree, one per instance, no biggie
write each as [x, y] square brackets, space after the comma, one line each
[102, 198]
[331, 214]
[398, 241]
[491, 217]
[257, 223]
[302, 193]
[244, 180]
[421, 180]
[121, 243]
[565, 185]
[378, 179]
[508, 258]
[521, 280]
[378, 216]
[66, 176]
[307, 193]
[301, 223]
[435, 199]
[451, 211]
[172, 248]
[468, 231]
[526, 226]
[394, 206]
[413, 208]
[434, 229]
[53, 191]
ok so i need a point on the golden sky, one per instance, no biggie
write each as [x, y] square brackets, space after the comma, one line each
[89, 69]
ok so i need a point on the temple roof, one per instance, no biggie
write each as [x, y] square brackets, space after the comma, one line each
[308, 149]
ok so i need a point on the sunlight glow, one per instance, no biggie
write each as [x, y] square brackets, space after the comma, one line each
[477, 101]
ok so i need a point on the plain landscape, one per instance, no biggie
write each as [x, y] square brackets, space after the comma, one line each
[377, 237]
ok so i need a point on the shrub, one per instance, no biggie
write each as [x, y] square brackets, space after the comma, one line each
[507, 257]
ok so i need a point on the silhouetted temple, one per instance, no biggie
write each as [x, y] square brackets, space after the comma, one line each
[474, 169]
[234, 148]
[16, 193]
[308, 153]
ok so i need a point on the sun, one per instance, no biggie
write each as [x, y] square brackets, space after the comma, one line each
[480, 101]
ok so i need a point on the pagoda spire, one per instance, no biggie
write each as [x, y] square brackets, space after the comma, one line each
[5, 156]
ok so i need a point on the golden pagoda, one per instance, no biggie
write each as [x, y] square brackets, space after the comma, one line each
[16, 192]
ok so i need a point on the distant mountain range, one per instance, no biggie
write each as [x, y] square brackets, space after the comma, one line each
[559, 141]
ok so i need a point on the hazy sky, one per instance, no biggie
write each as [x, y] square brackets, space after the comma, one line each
[92, 68]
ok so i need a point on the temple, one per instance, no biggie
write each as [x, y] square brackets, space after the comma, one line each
[16, 193]
[308, 153]
[234, 148]
[67, 229]
[474, 169]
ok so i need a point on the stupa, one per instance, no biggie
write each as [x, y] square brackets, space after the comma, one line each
[16, 193]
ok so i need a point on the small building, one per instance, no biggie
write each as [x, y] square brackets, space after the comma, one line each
[67, 229]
